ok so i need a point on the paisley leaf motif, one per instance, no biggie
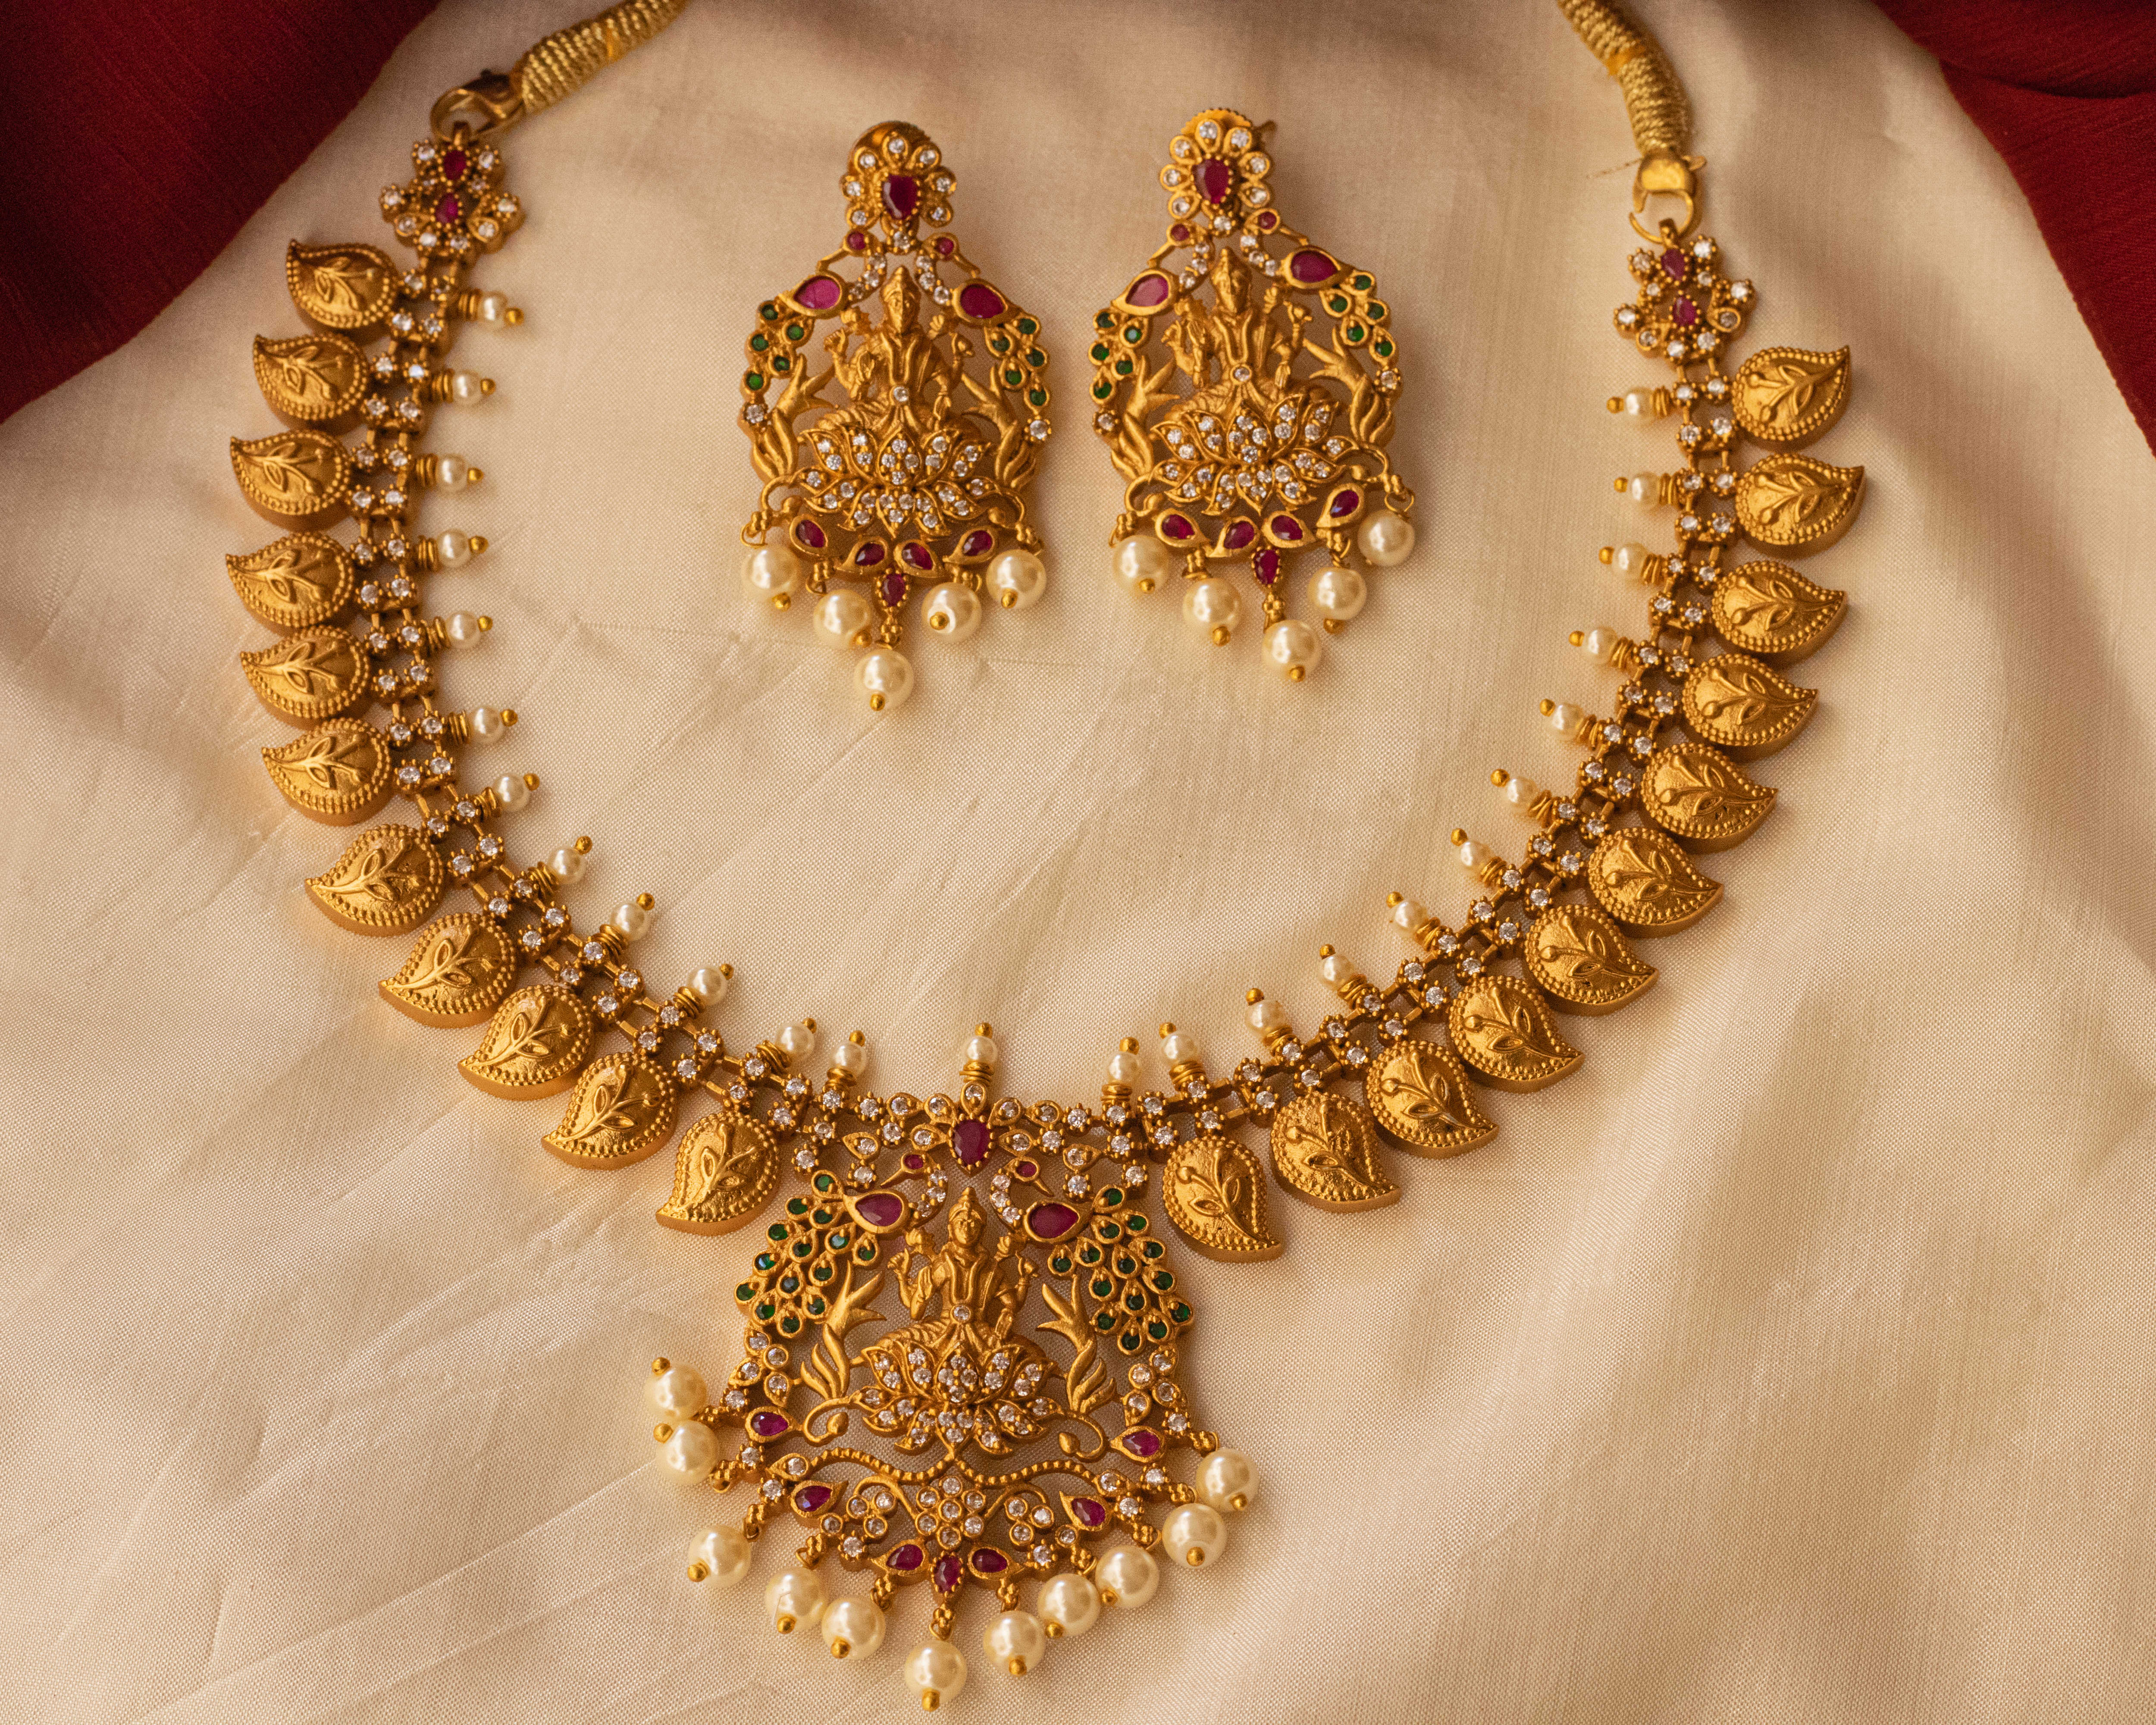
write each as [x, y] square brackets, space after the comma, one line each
[308, 676]
[1769, 609]
[1578, 959]
[534, 1047]
[1796, 504]
[387, 881]
[726, 1171]
[1419, 1096]
[621, 1111]
[1215, 1194]
[1639, 876]
[461, 966]
[1325, 1151]
[301, 580]
[1690, 790]
[298, 476]
[1504, 1032]
[341, 287]
[337, 773]
[1789, 395]
[1738, 704]
[314, 379]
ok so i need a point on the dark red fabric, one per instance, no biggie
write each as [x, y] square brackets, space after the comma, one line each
[2066, 90]
[135, 138]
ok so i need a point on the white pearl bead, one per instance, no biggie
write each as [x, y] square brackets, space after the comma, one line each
[1179, 1046]
[1385, 539]
[631, 921]
[1069, 1603]
[1125, 1069]
[980, 1051]
[843, 616]
[885, 676]
[1640, 403]
[793, 1600]
[1597, 643]
[461, 628]
[1475, 855]
[1334, 970]
[1017, 579]
[1565, 717]
[1143, 564]
[567, 865]
[851, 1058]
[772, 570]
[725, 1553]
[1015, 1640]
[1226, 1475]
[1292, 645]
[1266, 1015]
[452, 548]
[1520, 791]
[1408, 916]
[708, 985]
[493, 308]
[512, 792]
[467, 388]
[952, 609]
[486, 725]
[1195, 1535]
[691, 1452]
[678, 1394]
[1645, 488]
[452, 473]
[796, 1042]
[1126, 1577]
[1630, 558]
[852, 1627]
[935, 1673]
[1338, 593]
[1211, 604]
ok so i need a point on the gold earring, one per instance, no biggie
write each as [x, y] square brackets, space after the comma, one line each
[916, 480]
[1250, 442]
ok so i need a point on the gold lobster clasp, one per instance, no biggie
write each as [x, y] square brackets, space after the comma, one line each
[1665, 173]
[491, 95]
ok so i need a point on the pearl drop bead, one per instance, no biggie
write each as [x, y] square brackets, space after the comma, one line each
[486, 725]
[1385, 539]
[794, 1600]
[852, 1627]
[452, 548]
[1266, 1015]
[567, 865]
[885, 676]
[512, 792]
[1069, 1604]
[452, 473]
[1334, 970]
[980, 1051]
[1640, 404]
[772, 570]
[1630, 558]
[692, 1450]
[1017, 579]
[1294, 647]
[1143, 564]
[724, 1554]
[708, 985]
[1126, 1577]
[936, 1673]
[1195, 1535]
[1597, 643]
[796, 1042]
[1015, 1640]
[1179, 1046]
[1565, 717]
[1228, 1480]
[952, 610]
[1408, 916]
[493, 308]
[1125, 1069]
[1211, 605]
[1475, 855]
[851, 1058]
[843, 616]
[678, 1394]
[631, 921]
[461, 628]
[1645, 488]
[1337, 594]
[1520, 791]
[467, 388]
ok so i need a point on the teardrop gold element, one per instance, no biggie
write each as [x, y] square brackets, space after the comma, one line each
[311, 380]
[1769, 609]
[725, 1172]
[1507, 1034]
[300, 478]
[1795, 504]
[341, 287]
[537, 1041]
[622, 1111]
[337, 773]
[1577, 957]
[1419, 1096]
[387, 881]
[461, 965]
[1325, 1151]
[1642, 877]
[302, 579]
[1690, 790]
[308, 676]
[1214, 1192]
[1736, 703]
[1789, 395]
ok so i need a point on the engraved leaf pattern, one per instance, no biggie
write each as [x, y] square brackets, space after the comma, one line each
[728, 1159]
[1787, 498]
[280, 574]
[325, 761]
[1506, 1028]
[341, 283]
[528, 1038]
[1085, 1383]
[385, 872]
[1212, 1182]
[307, 665]
[1701, 788]
[1739, 694]
[300, 370]
[1573, 950]
[1761, 601]
[446, 961]
[1648, 873]
[291, 467]
[1421, 1090]
[603, 1107]
[1783, 389]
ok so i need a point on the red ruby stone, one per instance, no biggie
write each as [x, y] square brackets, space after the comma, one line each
[1311, 266]
[448, 209]
[868, 554]
[857, 241]
[894, 587]
[980, 301]
[882, 1209]
[1147, 292]
[768, 1424]
[1176, 527]
[907, 1557]
[945, 245]
[911, 1164]
[1179, 233]
[1686, 313]
[1026, 1170]
[948, 1573]
[971, 1142]
[1141, 1441]
[810, 535]
[1287, 527]
[1215, 180]
[989, 1562]
[819, 293]
[1268, 220]
[1266, 562]
[916, 555]
[1052, 1221]
[1673, 265]
[1240, 534]
[902, 196]
[1089, 1511]
[454, 165]
[979, 543]
[809, 1499]
[1345, 502]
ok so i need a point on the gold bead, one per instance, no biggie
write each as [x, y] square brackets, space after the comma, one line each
[1107, 1596]
[1575, 637]
[1220, 636]
[486, 386]
[1129, 1044]
[1251, 997]
[1333, 625]
[1145, 585]
[1459, 835]
[783, 601]
[661, 1432]
[1607, 554]
[1297, 673]
[1616, 405]
[1239, 1503]
[1548, 707]
[784, 1624]
[531, 781]
[509, 716]
[699, 1570]
[582, 847]
[875, 703]
[1052, 1630]
[1195, 1556]
[1016, 1668]
[646, 899]
[1167, 1031]
[1394, 898]
[839, 1650]
[660, 1365]
[485, 624]
[515, 315]
[930, 1701]
[478, 544]
[473, 476]
[1620, 484]
[1499, 777]
[1008, 599]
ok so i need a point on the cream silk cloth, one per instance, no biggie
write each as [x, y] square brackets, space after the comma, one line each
[1791, 1362]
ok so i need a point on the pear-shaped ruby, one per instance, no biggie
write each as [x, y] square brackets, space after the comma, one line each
[809, 1499]
[980, 301]
[916, 556]
[902, 196]
[1089, 1511]
[449, 209]
[948, 1573]
[1345, 502]
[454, 165]
[1285, 527]
[1311, 266]
[1050, 1221]
[810, 535]
[1176, 527]
[883, 1210]
[906, 1558]
[970, 1141]
[1141, 1441]
[1673, 265]
[989, 1561]
[1215, 180]
[1686, 313]
[819, 293]
[1266, 565]
[1147, 292]
[894, 587]
[767, 1423]
[1239, 535]
[1026, 1170]
[868, 554]
[979, 543]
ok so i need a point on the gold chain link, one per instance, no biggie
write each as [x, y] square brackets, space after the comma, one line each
[561, 63]
[1661, 118]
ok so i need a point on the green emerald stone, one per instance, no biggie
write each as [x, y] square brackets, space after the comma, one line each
[1378, 311]
[1102, 1287]
[1106, 320]
[823, 1183]
[754, 380]
[815, 1305]
[1154, 1249]
[1111, 1196]
[1037, 397]
[1364, 284]
[1012, 379]
[777, 1231]
[1104, 1319]
[1099, 351]
[1060, 1265]
[1156, 1330]
[865, 1253]
[1110, 1231]
[1102, 392]
[769, 312]
[1355, 332]
[1129, 1341]
[1162, 1280]
[1027, 327]
[791, 1324]
[1036, 357]
[794, 332]
[744, 1293]
[821, 1219]
[1089, 1255]
[765, 1310]
[759, 341]
[1136, 1224]
[796, 1207]
[802, 1248]
[1180, 1312]
[789, 1284]
[1134, 1301]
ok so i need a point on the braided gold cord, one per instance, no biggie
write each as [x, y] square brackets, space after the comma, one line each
[1661, 118]
[561, 63]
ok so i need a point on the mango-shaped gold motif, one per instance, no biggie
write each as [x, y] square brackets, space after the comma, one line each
[309, 674]
[1507, 1034]
[461, 966]
[1692, 791]
[337, 773]
[303, 579]
[1214, 1192]
[1640, 876]
[1419, 1096]
[621, 1111]
[1325, 1151]
[299, 478]
[725, 1172]
[537, 1041]
[311, 380]
[387, 881]
[1795, 504]
[1577, 957]
[1789, 395]
[1769, 609]
[1736, 703]
[341, 287]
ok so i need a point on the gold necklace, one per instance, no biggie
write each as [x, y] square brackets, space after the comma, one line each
[959, 1394]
